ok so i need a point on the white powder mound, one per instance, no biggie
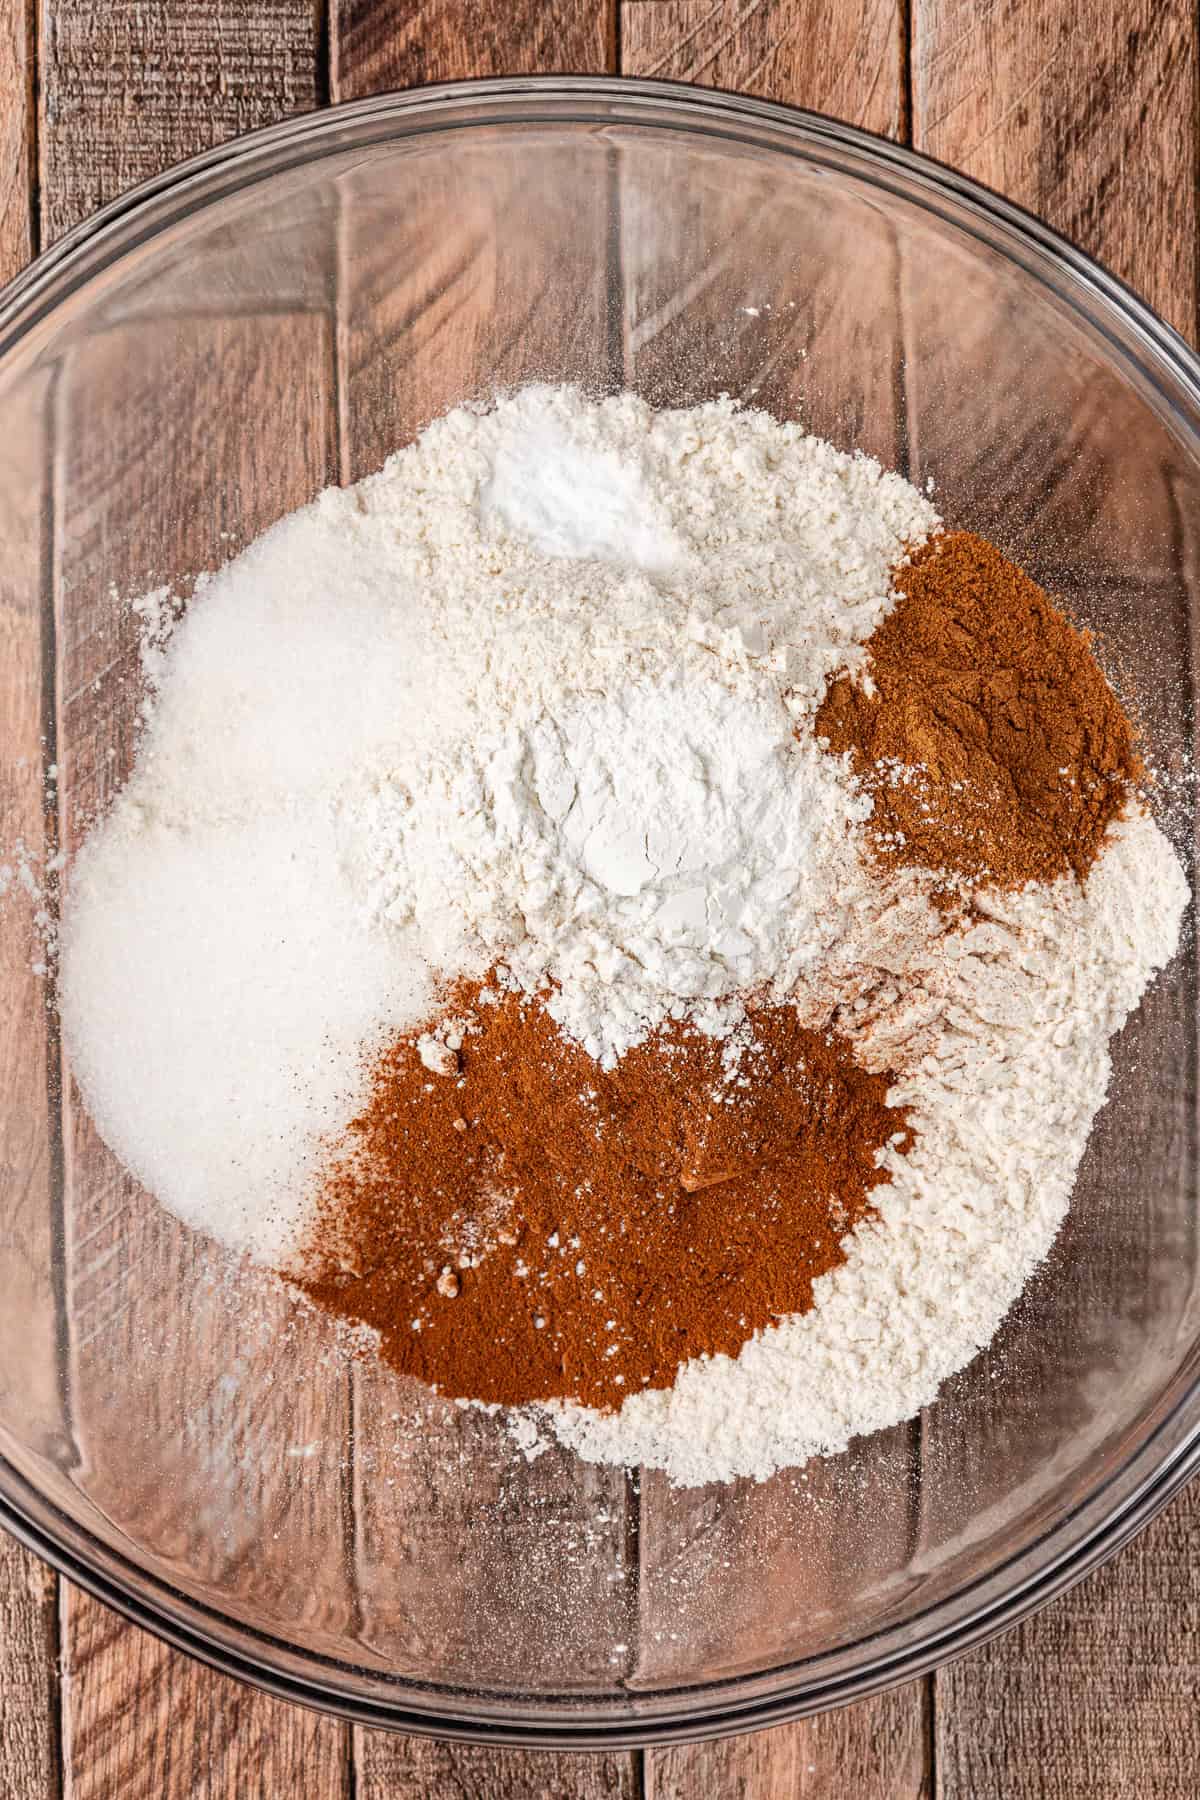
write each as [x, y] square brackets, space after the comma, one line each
[287, 866]
[573, 498]
[647, 849]
[219, 987]
[1002, 1034]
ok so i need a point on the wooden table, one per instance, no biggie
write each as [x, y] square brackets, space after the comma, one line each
[1085, 110]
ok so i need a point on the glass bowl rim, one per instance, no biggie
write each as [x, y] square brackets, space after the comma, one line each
[1168, 1456]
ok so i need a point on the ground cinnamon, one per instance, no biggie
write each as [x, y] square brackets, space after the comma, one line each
[987, 736]
[519, 1224]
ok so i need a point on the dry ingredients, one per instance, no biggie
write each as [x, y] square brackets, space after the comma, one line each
[986, 735]
[519, 1224]
[605, 1226]
[457, 720]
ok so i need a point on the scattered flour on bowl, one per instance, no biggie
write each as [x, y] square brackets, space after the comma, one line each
[540, 693]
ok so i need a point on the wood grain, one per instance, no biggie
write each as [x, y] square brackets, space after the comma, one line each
[129, 87]
[189, 1455]
[847, 60]
[419, 1769]
[145, 1723]
[418, 282]
[704, 317]
[761, 1574]
[1083, 110]
[745, 1576]
[474, 1566]
[30, 1766]
[1057, 106]
[870, 1752]
[30, 1401]
[422, 281]
[380, 44]
[191, 1434]
[1098, 1696]
[700, 317]
[18, 222]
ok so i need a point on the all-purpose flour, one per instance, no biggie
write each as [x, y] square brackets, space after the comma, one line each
[541, 693]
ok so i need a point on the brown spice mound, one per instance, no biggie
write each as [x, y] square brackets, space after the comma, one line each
[519, 1224]
[989, 740]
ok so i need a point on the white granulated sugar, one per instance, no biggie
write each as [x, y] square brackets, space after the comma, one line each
[538, 695]
[219, 987]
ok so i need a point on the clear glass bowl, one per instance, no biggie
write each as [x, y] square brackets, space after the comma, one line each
[183, 1438]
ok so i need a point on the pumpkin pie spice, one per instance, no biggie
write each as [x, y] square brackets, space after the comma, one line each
[985, 732]
[519, 1224]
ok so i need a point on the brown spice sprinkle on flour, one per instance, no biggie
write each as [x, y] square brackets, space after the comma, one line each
[987, 736]
[519, 1224]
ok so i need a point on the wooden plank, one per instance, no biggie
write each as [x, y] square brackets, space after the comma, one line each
[847, 60]
[1101, 1688]
[224, 1467]
[1096, 1698]
[29, 1749]
[702, 315]
[747, 1576]
[420, 273]
[870, 1752]
[380, 44]
[1055, 105]
[742, 1577]
[148, 1724]
[186, 1453]
[30, 1759]
[734, 1578]
[128, 88]
[417, 280]
[475, 1567]
[31, 1403]
[419, 1769]
[807, 327]
[18, 223]
[1051, 105]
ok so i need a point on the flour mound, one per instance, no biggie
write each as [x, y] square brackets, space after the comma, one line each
[331, 806]
[644, 850]
[1001, 1033]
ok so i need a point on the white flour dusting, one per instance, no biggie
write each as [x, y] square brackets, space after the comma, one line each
[540, 692]
[573, 494]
